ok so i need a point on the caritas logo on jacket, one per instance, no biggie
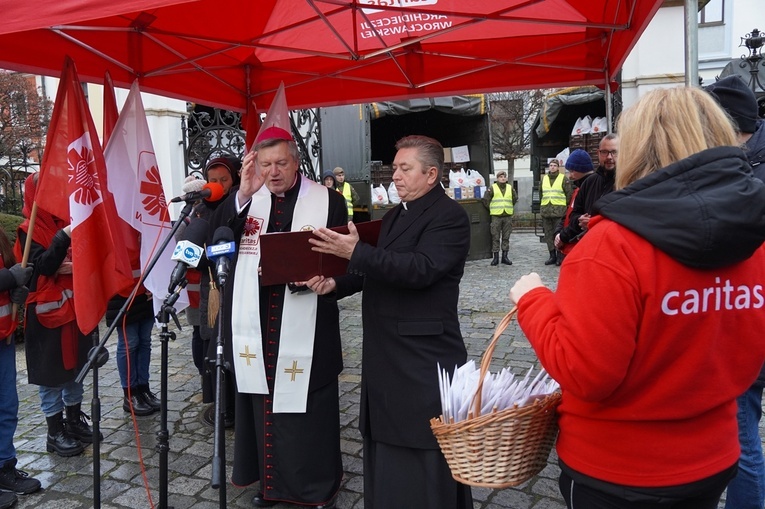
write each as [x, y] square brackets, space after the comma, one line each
[722, 296]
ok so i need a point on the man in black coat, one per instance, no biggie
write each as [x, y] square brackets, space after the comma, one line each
[411, 290]
[290, 442]
[602, 181]
[747, 489]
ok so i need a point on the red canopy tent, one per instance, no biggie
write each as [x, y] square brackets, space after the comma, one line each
[327, 52]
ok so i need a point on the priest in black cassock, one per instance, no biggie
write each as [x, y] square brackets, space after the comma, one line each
[410, 282]
[283, 341]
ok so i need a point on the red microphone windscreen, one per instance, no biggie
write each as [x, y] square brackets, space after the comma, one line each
[216, 191]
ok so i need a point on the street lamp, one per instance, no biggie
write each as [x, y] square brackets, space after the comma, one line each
[753, 41]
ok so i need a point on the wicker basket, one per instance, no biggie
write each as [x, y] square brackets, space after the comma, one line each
[504, 448]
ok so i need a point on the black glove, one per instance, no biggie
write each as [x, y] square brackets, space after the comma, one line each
[19, 295]
[21, 274]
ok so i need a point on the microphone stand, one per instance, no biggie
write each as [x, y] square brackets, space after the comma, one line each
[163, 445]
[219, 447]
[95, 411]
[98, 356]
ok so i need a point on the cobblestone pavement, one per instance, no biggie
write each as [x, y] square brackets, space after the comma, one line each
[68, 482]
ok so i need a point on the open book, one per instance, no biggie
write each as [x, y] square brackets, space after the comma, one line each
[286, 257]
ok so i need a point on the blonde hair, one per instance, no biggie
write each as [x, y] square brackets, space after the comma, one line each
[667, 125]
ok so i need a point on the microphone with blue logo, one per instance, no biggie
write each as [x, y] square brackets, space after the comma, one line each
[189, 251]
[221, 252]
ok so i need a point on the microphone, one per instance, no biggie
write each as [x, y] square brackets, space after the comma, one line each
[188, 252]
[211, 191]
[222, 251]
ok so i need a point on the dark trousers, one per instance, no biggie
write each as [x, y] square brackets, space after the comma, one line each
[402, 478]
[198, 349]
[9, 401]
[704, 494]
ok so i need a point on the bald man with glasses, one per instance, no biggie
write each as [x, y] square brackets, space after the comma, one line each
[601, 182]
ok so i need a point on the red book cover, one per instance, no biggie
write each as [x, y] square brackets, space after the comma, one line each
[286, 257]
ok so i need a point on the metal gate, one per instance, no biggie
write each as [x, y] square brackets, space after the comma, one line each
[212, 132]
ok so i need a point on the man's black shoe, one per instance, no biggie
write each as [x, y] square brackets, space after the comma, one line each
[17, 481]
[208, 417]
[7, 499]
[329, 505]
[150, 398]
[259, 501]
[140, 406]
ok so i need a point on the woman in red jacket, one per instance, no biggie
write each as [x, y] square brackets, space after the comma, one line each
[673, 273]
[55, 348]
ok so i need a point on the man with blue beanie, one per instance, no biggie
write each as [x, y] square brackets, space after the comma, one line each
[568, 232]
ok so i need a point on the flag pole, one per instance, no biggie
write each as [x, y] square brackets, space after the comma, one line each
[24, 260]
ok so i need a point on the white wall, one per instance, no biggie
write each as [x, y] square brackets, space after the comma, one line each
[522, 167]
[658, 58]
[164, 118]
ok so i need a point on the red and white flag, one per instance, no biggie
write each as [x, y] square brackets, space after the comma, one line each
[129, 236]
[135, 182]
[72, 187]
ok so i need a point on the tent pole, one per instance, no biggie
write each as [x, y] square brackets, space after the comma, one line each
[609, 105]
[691, 43]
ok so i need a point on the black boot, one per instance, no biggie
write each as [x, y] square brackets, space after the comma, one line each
[552, 258]
[505, 259]
[495, 261]
[137, 401]
[149, 397]
[17, 481]
[559, 258]
[59, 441]
[77, 425]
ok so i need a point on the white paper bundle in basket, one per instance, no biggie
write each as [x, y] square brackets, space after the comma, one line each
[501, 448]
